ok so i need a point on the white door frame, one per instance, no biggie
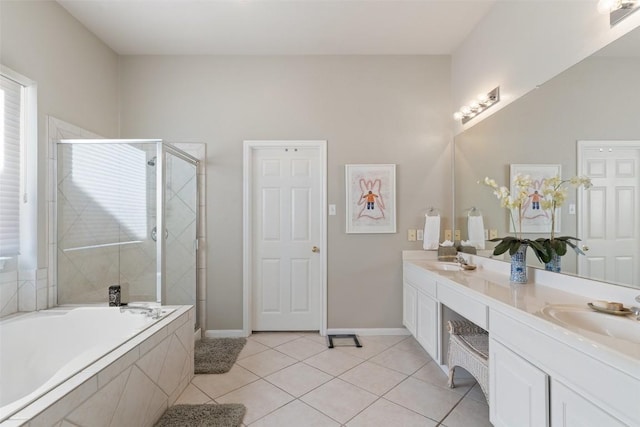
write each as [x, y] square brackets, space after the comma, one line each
[247, 279]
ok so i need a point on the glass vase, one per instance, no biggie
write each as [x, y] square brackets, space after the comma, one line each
[554, 263]
[519, 265]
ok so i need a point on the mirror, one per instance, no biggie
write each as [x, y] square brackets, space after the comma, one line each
[595, 100]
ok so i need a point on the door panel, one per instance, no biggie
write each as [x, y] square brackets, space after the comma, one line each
[286, 222]
[610, 212]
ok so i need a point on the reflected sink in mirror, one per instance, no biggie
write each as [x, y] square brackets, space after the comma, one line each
[625, 328]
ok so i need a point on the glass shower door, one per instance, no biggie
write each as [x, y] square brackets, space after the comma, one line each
[180, 212]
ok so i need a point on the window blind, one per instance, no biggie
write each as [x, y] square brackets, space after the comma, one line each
[10, 166]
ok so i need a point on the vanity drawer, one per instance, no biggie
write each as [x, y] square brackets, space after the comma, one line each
[420, 279]
[464, 305]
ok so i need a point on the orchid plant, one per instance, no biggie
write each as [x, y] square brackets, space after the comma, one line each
[554, 194]
[515, 203]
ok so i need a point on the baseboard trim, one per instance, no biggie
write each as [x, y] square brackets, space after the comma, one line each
[368, 331]
[224, 333]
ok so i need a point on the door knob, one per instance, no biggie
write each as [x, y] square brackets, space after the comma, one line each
[315, 249]
[585, 248]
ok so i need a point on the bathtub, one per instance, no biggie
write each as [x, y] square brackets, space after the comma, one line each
[48, 355]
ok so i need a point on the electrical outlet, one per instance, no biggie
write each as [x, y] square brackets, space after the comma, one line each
[457, 235]
[420, 235]
[486, 234]
[493, 234]
[411, 234]
[447, 235]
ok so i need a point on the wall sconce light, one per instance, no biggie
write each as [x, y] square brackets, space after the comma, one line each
[618, 9]
[477, 106]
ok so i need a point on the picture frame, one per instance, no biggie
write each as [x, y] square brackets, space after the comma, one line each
[370, 198]
[535, 219]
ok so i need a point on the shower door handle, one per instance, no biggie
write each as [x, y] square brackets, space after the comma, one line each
[154, 234]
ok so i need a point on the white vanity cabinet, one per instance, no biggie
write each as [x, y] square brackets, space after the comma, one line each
[409, 307]
[536, 380]
[517, 390]
[420, 308]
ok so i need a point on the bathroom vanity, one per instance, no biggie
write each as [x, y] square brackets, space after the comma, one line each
[552, 360]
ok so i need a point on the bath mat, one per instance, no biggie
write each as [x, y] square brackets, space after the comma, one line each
[217, 355]
[208, 415]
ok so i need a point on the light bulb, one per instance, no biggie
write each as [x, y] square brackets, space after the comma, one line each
[465, 110]
[606, 6]
[483, 98]
[457, 115]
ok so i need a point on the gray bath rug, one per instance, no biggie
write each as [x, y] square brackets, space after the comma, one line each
[217, 355]
[209, 415]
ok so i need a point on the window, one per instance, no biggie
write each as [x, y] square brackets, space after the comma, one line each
[18, 164]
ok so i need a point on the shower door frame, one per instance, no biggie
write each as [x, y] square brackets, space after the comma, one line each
[162, 147]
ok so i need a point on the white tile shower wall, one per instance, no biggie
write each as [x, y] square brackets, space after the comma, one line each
[24, 290]
[135, 389]
[8, 293]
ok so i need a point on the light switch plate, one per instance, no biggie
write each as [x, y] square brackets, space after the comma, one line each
[493, 234]
[411, 234]
[457, 235]
[447, 235]
[332, 209]
[420, 235]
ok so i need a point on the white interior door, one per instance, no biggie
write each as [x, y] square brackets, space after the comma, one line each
[609, 212]
[286, 223]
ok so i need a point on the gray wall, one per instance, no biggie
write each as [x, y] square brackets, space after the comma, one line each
[594, 100]
[77, 76]
[370, 109]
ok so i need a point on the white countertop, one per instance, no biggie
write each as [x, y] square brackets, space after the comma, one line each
[489, 283]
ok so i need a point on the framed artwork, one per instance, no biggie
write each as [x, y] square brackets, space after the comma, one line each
[371, 198]
[535, 219]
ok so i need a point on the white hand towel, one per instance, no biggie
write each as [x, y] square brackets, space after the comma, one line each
[476, 231]
[431, 232]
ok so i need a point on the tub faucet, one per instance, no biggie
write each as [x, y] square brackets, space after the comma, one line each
[152, 312]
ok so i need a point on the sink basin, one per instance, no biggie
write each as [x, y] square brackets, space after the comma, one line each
[575, 316]
[444, 266]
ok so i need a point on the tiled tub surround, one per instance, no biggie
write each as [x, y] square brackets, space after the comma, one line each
[24, 290]
[599, 375]
[132, 384]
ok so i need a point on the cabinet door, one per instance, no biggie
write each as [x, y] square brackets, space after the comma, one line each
[427, 324]
[569, 409]
[518, 390]
[410, 302]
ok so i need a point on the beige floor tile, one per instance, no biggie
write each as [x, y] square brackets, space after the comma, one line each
[295, 414]
[469, 412]
[387, 340]
[432, 374]
[409, 344]
[260, 398]
[373, 378]
[298, 379]
[217, 385]
[400, 360]
[301, 348]
[273, 339]
[477, 394]
[266, 362]
[192, 395]
[384, 414]
[333, 362]
[339, 400]
[369, 348]
[427, 399]
[317, 338]
[251, 348]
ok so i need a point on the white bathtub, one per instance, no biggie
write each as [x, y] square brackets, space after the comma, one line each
[41, 351]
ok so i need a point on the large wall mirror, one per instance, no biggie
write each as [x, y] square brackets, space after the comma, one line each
[597, 100]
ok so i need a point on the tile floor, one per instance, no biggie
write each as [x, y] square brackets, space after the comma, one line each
[293, 379]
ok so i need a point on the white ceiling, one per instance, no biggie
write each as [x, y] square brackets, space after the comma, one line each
[280, 27]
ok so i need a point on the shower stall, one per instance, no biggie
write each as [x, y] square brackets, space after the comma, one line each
[127, 214]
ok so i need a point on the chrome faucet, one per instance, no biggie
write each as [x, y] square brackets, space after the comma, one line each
[460, 260]
[152, 312]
